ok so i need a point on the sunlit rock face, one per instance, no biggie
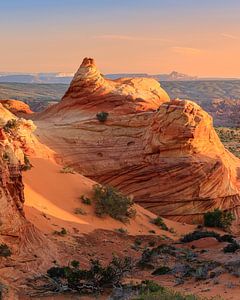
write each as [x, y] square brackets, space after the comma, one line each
[16, 107]
[17, 143]
[89, 93]
[165, 153]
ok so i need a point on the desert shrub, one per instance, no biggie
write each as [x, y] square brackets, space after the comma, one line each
[94, 279]
[149, 290]
[152, 231]
[11, 125]
[4, 250]
[27, 164]
[151, 243]
[6, 157]
[231, 247]
[121, 230]
[67, 170]
[160, 223]
[138, 241]
[86, 200]
[227, 238]
[102, 116]
[162, 270]
[196, 235]
[148, 254]
[110, 201]
[75, 263]
[79, 211]
[62, 232]
[201, 273]
[218, 218]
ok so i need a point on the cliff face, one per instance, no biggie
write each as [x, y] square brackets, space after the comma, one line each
[13, 150]
[11, 197]
[170, 159]
[17, 142]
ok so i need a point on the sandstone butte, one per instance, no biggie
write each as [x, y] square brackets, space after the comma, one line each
[165, 153]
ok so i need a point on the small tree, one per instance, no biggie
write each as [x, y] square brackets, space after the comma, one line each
[102, 116]
[110, 201]
[218, 218]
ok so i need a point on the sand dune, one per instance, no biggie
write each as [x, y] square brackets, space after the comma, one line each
[51, 198]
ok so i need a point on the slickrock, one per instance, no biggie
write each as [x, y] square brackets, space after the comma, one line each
[90, 92]
[170, 159]
[16, 107]
[22, 139]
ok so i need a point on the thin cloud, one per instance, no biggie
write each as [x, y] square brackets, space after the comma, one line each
[230, 36]
[129, 38]
[186, 50]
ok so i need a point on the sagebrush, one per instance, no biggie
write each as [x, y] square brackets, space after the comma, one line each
[110, 201]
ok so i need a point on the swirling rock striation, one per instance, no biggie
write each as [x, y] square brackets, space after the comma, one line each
[170, 159]
[89, 93]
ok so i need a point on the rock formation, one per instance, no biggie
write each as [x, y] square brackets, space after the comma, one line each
[90, 92]
[16, 107]
[171, 159]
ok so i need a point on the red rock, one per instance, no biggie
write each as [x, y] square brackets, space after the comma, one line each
[90, 92]
[171, 160]
[16, 107]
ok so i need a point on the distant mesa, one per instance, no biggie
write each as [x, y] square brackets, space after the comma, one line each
[173, 76]
[65, 78]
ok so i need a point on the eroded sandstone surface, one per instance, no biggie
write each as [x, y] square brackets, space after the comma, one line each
[89, 92]
[165, 153]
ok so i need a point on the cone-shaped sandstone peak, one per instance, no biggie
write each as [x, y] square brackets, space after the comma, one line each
[90, 92]
[170, 159]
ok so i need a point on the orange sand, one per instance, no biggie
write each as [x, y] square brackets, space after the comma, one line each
[51, 198]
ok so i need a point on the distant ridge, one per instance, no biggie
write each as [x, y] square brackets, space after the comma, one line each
[67, 77]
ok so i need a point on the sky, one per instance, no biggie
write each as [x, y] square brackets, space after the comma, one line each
[199, 38]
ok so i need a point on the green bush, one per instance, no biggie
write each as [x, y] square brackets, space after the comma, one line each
[86, 200]
[4, 250]
[197, 235]
[95, 278]
[27, 164]
[160, 223]
[109, 201]
[62, 232]
[218, 218]
[67, 170]
[149, 290]
[79, 211]
[121, 230]
[6, 157]
[162, 270]
[10, 125]
[231, 247]
[102, 116]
